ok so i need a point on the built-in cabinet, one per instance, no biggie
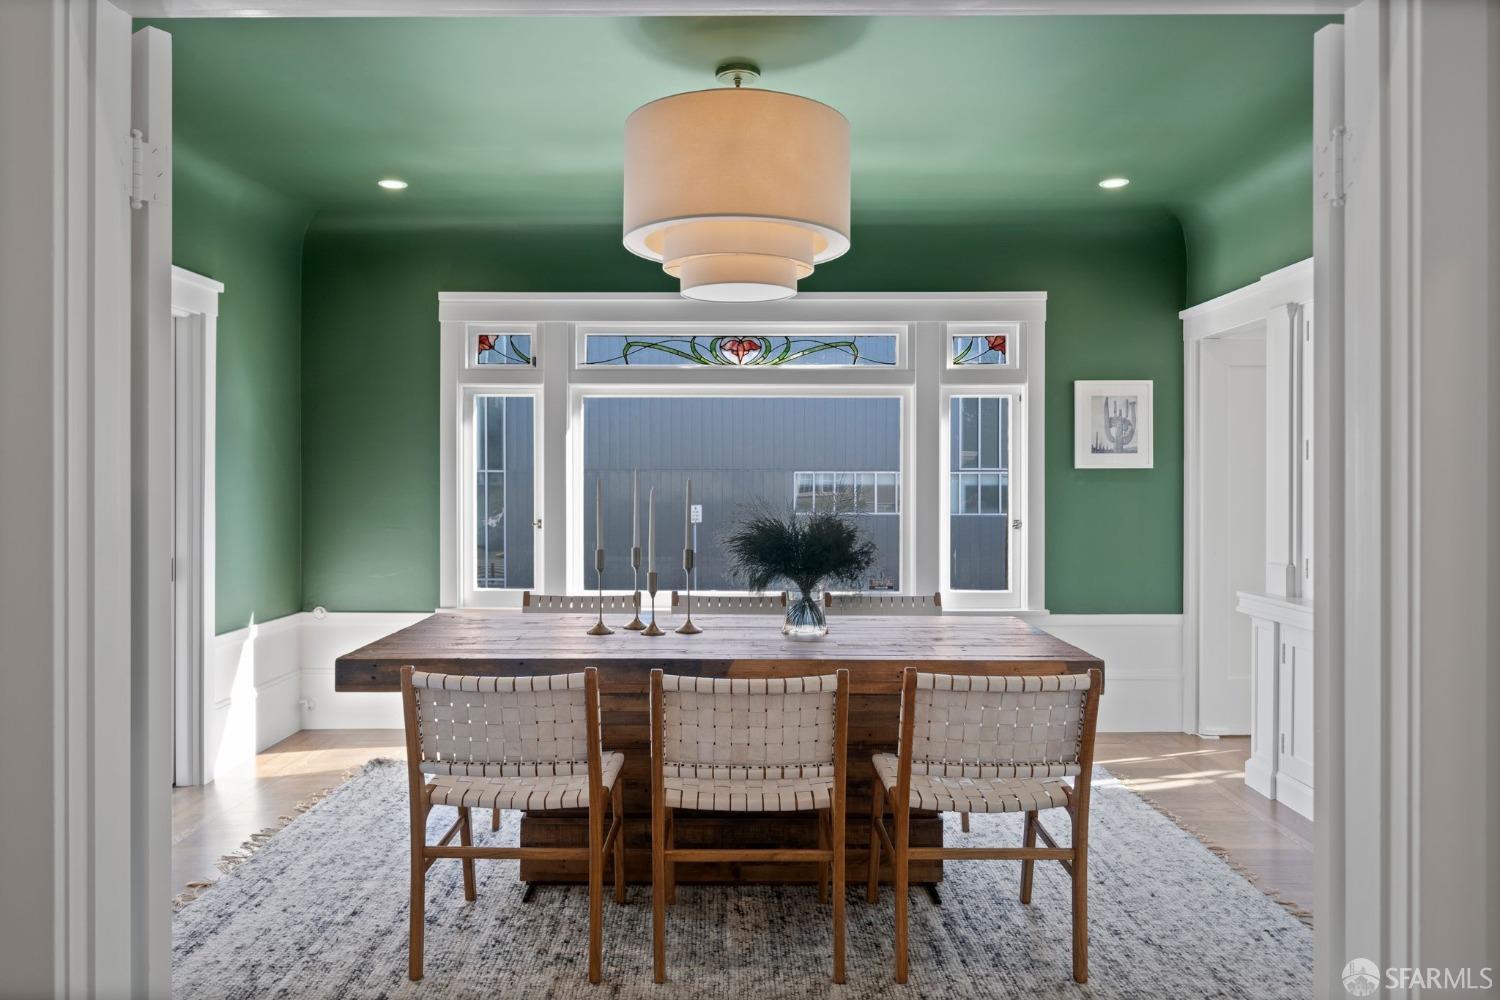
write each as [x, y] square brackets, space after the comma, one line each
[1281, 727]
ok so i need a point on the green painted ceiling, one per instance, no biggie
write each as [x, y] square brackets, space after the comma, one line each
[953, 118]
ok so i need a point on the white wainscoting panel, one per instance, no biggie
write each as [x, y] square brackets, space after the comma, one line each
[327, 637]
[254, 685]
[1142, 657]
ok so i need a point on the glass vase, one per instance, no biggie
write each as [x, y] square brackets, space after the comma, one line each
[804, 618]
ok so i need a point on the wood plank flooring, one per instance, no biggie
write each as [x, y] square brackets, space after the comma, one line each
[1198, 781]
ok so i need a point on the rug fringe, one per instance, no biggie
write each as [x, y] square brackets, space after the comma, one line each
[258, 839]
[1295, 909]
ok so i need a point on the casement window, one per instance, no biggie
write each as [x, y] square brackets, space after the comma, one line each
[917, 415]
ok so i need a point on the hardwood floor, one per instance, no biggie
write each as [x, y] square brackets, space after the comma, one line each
[1196, 780]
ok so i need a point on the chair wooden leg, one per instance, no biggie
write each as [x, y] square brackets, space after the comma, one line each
[877, 812]
[824, 868]
[617, 810]
[1080, 901]
[839, 837]
[963, 821]
[658, 890]
[1029, 842]
[466, 839]
[418, 893]
[901, 863]
[671, 865]
[596, 889]
[494, 820]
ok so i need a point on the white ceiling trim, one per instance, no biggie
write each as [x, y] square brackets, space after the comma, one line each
[729, 8]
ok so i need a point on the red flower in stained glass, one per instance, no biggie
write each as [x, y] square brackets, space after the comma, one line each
[740, 347]
[486, 342]
[996, 344]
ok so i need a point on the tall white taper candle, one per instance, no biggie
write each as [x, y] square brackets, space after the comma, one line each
[598, 514]
[651, 531]
[635, 509]
[687, 518]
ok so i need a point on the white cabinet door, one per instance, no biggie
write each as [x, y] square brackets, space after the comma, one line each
[1294, 765]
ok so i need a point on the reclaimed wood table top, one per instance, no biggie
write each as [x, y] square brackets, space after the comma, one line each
[876, 648]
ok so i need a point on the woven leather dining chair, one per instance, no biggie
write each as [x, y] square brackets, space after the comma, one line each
[740, 604]
[883, 604]
[585, 604]
[528, 743]
[990, 744]
[748, 745]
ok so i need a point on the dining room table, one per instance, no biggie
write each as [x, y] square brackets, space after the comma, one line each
[875, 649]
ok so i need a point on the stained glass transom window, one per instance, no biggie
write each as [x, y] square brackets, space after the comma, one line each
[739, 350]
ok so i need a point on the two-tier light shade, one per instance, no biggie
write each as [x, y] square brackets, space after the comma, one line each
[738, 192]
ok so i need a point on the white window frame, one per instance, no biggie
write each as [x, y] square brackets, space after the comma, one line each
[923, 379]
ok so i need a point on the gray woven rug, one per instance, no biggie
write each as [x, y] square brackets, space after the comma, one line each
[320, 911]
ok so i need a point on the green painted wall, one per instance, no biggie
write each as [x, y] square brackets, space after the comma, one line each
[370, 389]
[1254, 223]
[236, 231]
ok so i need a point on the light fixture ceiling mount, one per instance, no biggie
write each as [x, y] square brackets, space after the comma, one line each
[738, 192]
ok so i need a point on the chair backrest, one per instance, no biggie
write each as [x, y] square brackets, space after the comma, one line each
[760, 727]
[1000, 726]
[501, 726]
[884, 604]
[740, 604]
[587, 604]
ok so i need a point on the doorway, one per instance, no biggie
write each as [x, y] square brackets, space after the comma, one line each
[1232, 522]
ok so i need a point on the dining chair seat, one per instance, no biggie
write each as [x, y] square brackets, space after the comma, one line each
[568, 788]
[734, 791]
[965, 793]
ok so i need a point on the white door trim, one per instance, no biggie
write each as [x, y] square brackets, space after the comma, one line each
[195, 319]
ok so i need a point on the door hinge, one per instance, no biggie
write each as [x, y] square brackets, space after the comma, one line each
[1331, 175]
[1016, 524]
[148, 170]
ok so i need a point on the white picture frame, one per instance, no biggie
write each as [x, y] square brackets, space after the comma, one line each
[1102, 411]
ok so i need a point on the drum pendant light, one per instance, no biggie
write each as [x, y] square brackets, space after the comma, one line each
[739, 192]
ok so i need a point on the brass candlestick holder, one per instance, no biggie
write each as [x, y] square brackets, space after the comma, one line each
[599, 627]
[635, 624]
[653, 628]
[687, 627]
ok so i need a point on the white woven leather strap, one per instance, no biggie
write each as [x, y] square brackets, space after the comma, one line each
[774, 724]
[998, 726]
[470, 724]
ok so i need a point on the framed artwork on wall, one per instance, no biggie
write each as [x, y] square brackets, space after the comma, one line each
[1112, 425]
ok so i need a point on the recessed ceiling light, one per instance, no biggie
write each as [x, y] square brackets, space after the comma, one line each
[392, 184]
[1110, 183]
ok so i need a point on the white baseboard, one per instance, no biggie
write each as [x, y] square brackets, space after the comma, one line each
[254, 686]
[324, 640]
[1142, 656]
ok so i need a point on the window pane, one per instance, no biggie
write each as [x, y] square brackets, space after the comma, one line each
[864, 499]
[503, 508]
[978, 519]
[737, 451]
[499, 348]
[886, 493]
[967, 410]
[739, 350]
[989, 493]
[989, 433]
[804, 486]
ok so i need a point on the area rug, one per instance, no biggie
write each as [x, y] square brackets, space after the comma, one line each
[320, 910]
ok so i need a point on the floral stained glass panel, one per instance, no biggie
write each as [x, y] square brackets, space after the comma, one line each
[740, 350]
[981, 349]
[503, 349]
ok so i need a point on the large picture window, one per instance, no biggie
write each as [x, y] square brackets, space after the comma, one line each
[916, 416]
[742, 453]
